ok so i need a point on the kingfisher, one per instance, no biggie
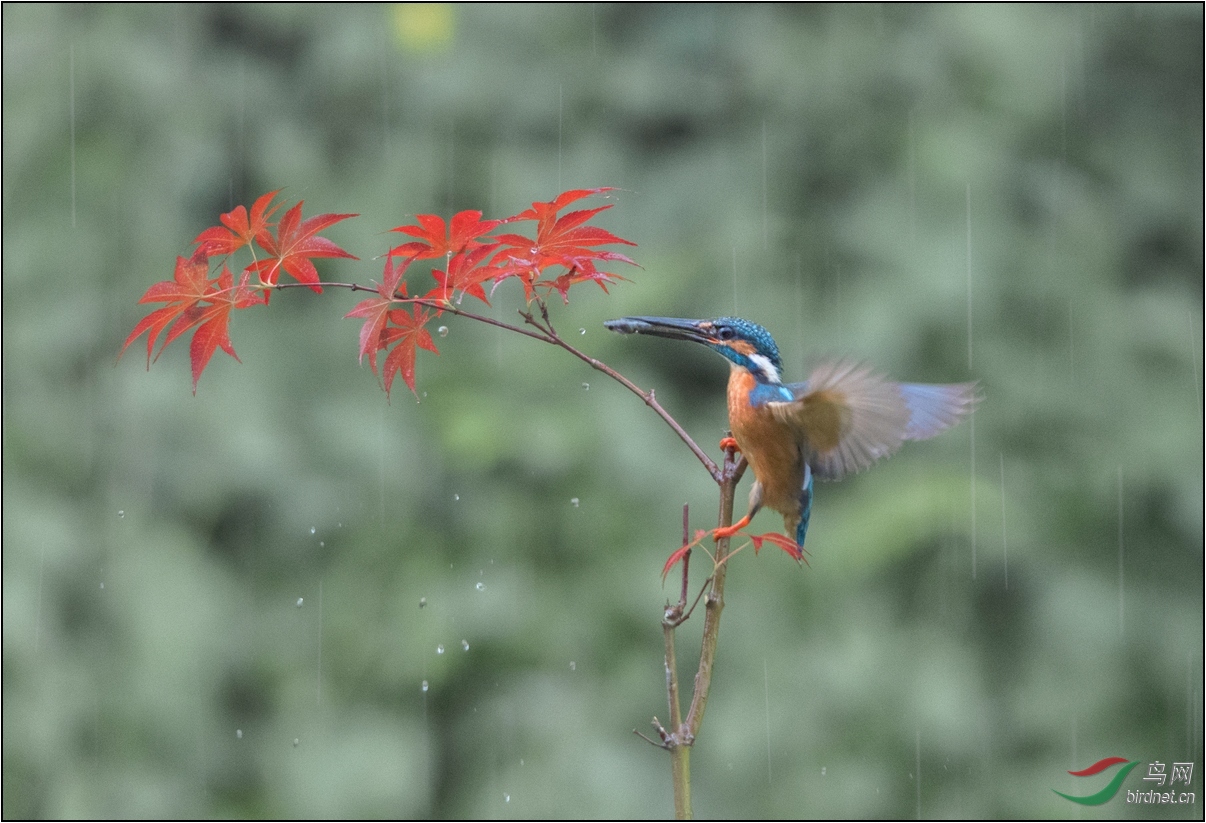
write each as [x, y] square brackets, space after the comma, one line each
[842, 419]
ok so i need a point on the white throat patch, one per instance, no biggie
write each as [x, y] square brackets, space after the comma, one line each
[766, 367]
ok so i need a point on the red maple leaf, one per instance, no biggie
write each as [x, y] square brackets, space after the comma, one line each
[214, 321]
[194, 300]
[375, 310]
[295, 243]
[682, 552]
[465, 274]
[406, 335]
[386, 326]
[239, 230]
[181, 293]
[563, 241]
[437, 240]
[561, 284]
[782, 541]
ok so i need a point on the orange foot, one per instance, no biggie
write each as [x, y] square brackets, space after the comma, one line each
[729, 531]
[727, 443]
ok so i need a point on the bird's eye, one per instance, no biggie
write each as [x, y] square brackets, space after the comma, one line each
[725, 333]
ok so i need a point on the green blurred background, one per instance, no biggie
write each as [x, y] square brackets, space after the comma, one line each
[212, 604]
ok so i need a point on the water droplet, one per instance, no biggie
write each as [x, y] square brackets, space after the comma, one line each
[456, 497]
[424, 394]
[465, 645]
[299, 602]
[586, 387]
[822, 771]
[573, 666]
[121, 512]
[521, 761]
[102, 584]
[442, 331]
[481, 587]
[581, 331]
[239, 734]
[296, 742]
[422, 602]
[424, 686]
[508, 797]
[574, 502]
[313, 530]
[440, 649]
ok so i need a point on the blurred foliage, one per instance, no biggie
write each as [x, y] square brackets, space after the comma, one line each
[213, 604]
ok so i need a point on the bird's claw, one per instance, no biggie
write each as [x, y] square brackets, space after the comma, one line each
[722, 532]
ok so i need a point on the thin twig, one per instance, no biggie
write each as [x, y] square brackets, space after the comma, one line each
[545, 334]
[695, 603]
[650, 740]
[481, 318]
[682, 599]
[422, 301]
[648, 397]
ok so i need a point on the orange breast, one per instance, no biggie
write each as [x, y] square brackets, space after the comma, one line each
[771, 447]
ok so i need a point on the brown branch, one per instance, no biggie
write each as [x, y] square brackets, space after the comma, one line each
[545, 334]
[649, 397]
[481, 318]
[734, 468]
[421, 301]
[680, 751]
[682, 598]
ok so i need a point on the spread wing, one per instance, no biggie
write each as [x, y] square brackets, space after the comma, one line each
[935, 408]
[850, 416]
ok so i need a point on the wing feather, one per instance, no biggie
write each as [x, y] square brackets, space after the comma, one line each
[935, 408]
[850, 416]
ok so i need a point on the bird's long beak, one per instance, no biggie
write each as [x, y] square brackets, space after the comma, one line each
[675, 328]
